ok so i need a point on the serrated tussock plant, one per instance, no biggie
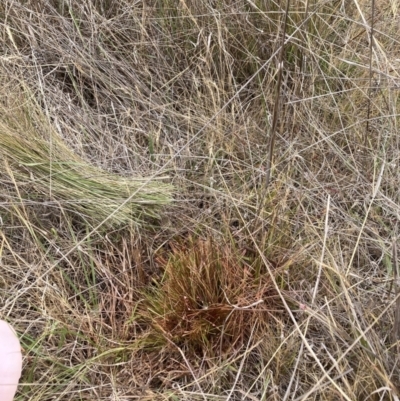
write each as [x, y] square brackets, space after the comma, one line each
[210, 294]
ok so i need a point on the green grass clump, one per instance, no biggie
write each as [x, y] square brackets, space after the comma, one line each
[45, 170]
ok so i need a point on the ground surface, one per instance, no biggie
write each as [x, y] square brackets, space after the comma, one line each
[200, 199]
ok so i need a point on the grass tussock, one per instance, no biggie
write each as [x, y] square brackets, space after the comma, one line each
[199, 199]
[210, 296]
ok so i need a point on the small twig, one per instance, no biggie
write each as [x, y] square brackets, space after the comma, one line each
[236, 307]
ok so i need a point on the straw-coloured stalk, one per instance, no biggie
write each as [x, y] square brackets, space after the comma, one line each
[10, 362]
[46, 169]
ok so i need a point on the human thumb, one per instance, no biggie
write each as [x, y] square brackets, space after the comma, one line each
[10, 362]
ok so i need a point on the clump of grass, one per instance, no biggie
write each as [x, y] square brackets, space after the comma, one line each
[45, 170]
[210, 295]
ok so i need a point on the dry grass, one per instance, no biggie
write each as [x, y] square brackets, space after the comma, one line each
[47, 172]
[244, 287]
